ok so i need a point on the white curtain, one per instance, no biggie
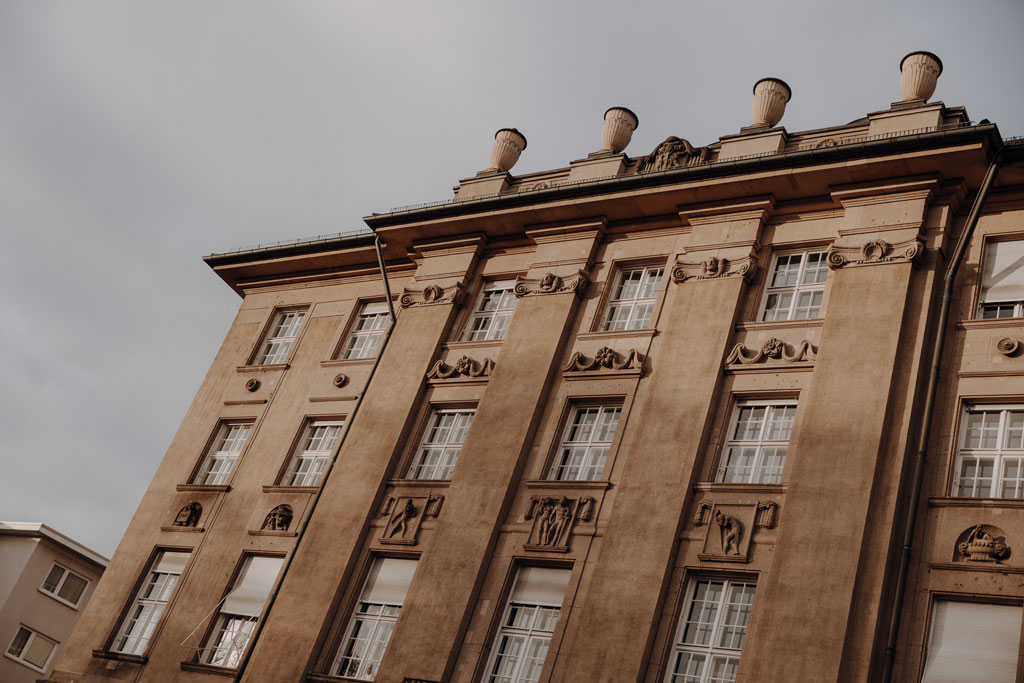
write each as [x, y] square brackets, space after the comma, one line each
[389, 580]
[1003, 273]
[540, 586]
[252, 586]
[171, 562]
[973, 643]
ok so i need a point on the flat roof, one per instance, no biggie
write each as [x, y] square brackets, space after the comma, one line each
[38, 530]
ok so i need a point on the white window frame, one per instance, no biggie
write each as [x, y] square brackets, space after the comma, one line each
[713, 649]
[55, 593]
[436, 459]
[366, 331]
[761, 464]
[217, 464]
[33, 635]
[149, 604]
[487, 324]
[280, 338]
[1001, 456]
[595, 451]
[797, 289]
[317, 457]
[635, 319]
[1015, 307]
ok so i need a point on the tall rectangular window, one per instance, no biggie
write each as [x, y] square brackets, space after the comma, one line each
[1002, 281]
[280, 337]
[758, 439]
[632, 301]
[442, 444]
[796, 286]
[990, 462]
[585, 444]
[369, 631]
[521, 644]
[493, 312]
[240, 611]
[367, 331]
[150, 603]
[65, 585]
[971, 642]
[220, 459]
[711, 632]
[313, 452]
[31, 648]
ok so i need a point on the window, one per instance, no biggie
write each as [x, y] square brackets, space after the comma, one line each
[223, 453]
[281, 336]
[65, 585]
[529, 619]
[796, 288]
[240, 611]
[373, 620]
[315, 448]
[632, 299]
[367, 331]
[442, 444]
[972, 643]
[150, 602]
[711, 632]
[585, 444]
[757, 443]
[493, 312]
[31, 648]
[990, 463]
[1002, 281]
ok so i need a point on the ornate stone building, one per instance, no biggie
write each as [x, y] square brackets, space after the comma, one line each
[666, 418]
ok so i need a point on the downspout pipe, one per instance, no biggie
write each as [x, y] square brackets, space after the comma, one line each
[929, 412]
[327, 473]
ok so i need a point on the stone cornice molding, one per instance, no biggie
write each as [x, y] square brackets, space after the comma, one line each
[750, 208]
[550, 283]
[432, 295]
[874, 252]
[875, 192]
[714, 267]
[448, 245]
[591, 227]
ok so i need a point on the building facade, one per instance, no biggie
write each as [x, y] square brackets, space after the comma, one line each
[649, 419]
[46, 579]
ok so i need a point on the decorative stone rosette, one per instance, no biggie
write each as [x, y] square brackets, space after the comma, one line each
[874, 252]
[1008, 346]
[773, 348]
[433, 294]
[464, 366]
[714, 267]
[552, 284]
[605, 358]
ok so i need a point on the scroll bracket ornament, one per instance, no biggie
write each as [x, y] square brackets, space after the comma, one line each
[605, 358]
[874, 252]
[714, 267]
[464, 366]
[773, 348]
[432, 295]
[552, 284]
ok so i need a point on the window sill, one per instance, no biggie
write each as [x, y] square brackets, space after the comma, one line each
[965, 502]
[729, 487]
[779, 324]
[24, 663]
[208, 669]
[325, 678]
[120, 656]
[989, 323]
[342, 362]
[262, 368]
[261, 532]
[600, 485]
[618, 334]
[186, 529]
[281, 488]
[420, 483]
[471, 344]
[216, 488]
[977, 567]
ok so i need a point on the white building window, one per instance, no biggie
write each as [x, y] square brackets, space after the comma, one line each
[632, 301]
[972, 642]
[990, 463]
[583, 451]
[240, 611]
[64, 585]
[796, 287]
[313, 452]
[521, 644]
[758, 439]
[712, 629]
[442, 444]
[280, 338]
[31, 649]
[367, 331]
[1002, 281]
[369, 631]
[220, 460]
[149, 603]
[493, 312]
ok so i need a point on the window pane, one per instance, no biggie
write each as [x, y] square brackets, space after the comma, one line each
[20, 639]
[38, 651]
[72, 589]
[53, 578]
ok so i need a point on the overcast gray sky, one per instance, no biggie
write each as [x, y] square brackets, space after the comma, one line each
[137, 136]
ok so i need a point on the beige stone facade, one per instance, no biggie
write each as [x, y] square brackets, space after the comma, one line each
[615, 394]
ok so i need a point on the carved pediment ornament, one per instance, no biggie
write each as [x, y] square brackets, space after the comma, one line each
[433, 294]
[874, 252]
[671, 153]
[551, 284]
[605, 358]
[405, 514]
[553, 520]
[189, 515]
[714, 267]
[982, 543]
[773, 348]
[465, 366]
[278, 519]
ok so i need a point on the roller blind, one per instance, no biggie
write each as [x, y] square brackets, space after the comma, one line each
[252, 586]
[1003, 274]
[376, 307]
[171, 562]
[389, 580]
[973, 643]
[540, 586]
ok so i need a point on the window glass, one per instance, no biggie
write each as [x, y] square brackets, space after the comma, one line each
[313, 452]
[1002, 280]
[711, 632]
[990, 462]
[64, 584]
[441, 445]
[632, 301]
[586, 441]
[492, 313]
[150, 602]
[367, 331]
[758, 439]
[282, 334]
[220, 459]
[796, 287]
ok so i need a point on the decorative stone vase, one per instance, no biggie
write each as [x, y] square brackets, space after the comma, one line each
[770, 98]
[919, 72]
[619, 124]
[509, 143]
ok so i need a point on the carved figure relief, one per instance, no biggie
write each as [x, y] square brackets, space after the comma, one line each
[464, 366]
[982, 543]
[874, 252]
[188, 516]
[773, 348]
[405, 514]
[671, 153]
[278, 519]
[550, 283]
[731, 532]
[432, 294]
[605, 358]
[714, 267]
[827, 142]
[252, 385]
[730, 528]
[553, 520]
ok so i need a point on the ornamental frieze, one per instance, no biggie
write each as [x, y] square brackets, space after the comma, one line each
[433, 294]
[874, 252]
[550, 283]
[774, 349]
[605, 358]
[714, 267]
[553, 520]
[464, 367]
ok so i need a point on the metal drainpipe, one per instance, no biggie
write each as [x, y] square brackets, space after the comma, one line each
[327, 473]
[929, 411]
